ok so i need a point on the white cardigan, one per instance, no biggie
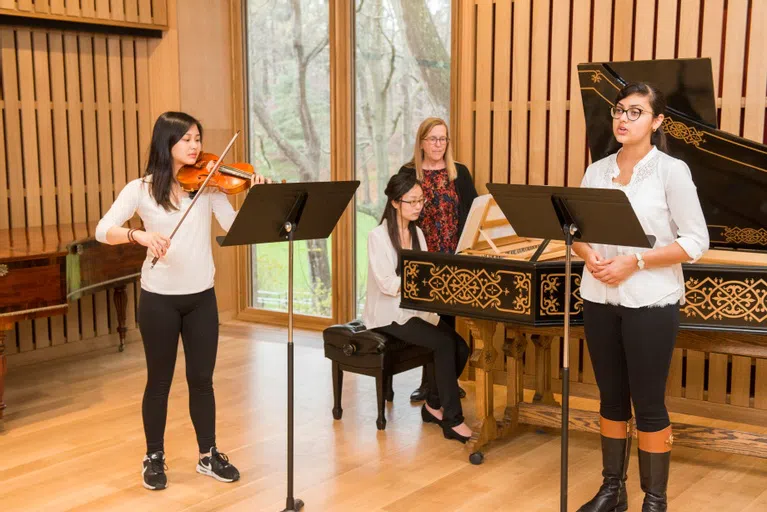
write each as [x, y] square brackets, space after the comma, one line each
[383, 290]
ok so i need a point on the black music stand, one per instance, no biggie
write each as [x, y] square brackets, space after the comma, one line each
[602, 216]
[289, 211]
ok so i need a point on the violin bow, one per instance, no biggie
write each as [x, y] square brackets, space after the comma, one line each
[202, 187]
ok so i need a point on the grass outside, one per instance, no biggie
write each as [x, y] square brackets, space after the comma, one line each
[271, 274]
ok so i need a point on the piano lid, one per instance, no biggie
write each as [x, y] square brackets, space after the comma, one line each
[730, 172]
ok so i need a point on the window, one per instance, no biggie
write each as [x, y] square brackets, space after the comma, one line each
[289, 115]
[402, 77]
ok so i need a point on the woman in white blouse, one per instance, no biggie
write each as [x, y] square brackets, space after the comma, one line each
[177, 295]
[398, 231]
[632, 296]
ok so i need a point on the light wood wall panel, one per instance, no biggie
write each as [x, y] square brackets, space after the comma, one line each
[152, 14]
[76, 114]
[532, 108]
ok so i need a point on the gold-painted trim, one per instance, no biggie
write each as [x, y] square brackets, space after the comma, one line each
[738, 235]
[751, 236]
[479, 288]
[597, 76]
[679, 130]
[718, 299]
[3, 270]
[599, 93]
[549, 303]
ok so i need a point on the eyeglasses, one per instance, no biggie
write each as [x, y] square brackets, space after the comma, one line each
[632, 114]
[414, 203]
[437, 140]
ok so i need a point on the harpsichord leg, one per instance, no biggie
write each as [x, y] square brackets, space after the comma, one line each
[543, 393]
[514, 347]
[483, 360]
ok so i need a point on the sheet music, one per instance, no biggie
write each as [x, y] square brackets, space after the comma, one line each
[474, 222]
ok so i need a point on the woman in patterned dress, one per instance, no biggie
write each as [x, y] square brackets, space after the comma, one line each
[448, 191]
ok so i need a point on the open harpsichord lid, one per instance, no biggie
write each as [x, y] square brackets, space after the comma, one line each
[487, 232]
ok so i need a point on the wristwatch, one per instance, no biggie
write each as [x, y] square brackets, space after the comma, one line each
[640, 260]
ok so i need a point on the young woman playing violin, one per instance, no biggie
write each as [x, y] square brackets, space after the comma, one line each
[177, 295]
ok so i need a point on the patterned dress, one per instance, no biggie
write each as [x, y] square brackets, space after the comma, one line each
[439, 217]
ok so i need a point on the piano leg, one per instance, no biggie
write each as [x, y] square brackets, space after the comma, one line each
[3, 366]
[121, 305]
[483, 360]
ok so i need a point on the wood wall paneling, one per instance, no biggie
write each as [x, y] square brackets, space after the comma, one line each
[525, 123]
[143, 14]
[76, 120]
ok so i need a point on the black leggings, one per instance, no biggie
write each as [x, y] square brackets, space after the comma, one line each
[161, 319]
[450, 356]
[631, 350]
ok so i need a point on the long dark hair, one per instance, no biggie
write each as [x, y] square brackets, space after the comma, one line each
[399, 185]
[169, 128]
[658, 104]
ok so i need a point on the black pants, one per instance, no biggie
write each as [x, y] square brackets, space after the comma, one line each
[631, 350]
[161, 319]
[449, 320]
[450, 356]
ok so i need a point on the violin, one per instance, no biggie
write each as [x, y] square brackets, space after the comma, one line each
[229, 178]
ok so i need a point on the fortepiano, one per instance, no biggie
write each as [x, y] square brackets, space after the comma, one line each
[43, 269]
[499, 277]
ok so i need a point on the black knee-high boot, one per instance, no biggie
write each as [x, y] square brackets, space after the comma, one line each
[654, 468]
[611, 496]
[653, 475]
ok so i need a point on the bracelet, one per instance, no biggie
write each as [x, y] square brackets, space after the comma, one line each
[130, 236]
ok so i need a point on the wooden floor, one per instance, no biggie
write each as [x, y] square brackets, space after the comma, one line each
[73, 440]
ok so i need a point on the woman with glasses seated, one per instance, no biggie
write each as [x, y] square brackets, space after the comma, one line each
[631, 296]
[448, 191]
[397, 231]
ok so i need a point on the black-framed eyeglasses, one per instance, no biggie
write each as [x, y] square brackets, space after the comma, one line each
[632, 114]
[437, 140]
[414, 202]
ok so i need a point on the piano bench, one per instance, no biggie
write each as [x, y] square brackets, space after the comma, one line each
[353, 348]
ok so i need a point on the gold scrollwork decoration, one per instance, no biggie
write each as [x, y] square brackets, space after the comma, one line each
[3, 270]
[679, 130]
[597, 76]
[751, 236]
[478, 288]
[718, 299]
[549, 295]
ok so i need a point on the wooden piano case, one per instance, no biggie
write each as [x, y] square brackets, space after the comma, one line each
[43, 269]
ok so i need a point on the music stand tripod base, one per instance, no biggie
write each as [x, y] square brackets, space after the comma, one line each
[296, 506]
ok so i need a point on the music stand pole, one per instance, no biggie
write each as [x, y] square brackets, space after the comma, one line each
[569, 230]
[291, 503]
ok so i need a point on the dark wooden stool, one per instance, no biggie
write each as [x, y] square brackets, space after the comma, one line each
[353, 348]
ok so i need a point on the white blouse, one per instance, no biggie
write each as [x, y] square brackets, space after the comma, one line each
[187, 267]
[383, 290]
[665, 200]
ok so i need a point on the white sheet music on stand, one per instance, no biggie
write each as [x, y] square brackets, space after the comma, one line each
[478, 221]
[487, 232]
